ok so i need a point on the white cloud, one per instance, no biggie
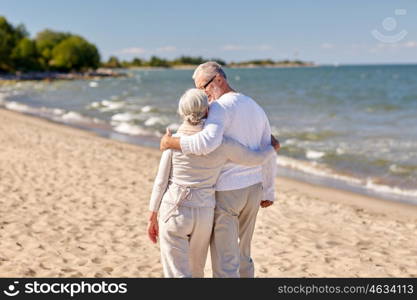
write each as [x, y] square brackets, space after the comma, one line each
[231, 47]
[132, 50]
[141, 51]
[327, 46]
[166, 49]
[263, 47]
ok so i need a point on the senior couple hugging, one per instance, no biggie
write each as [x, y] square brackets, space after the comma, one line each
[214, 174]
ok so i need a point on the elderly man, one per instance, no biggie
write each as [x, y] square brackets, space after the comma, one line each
[240, 190]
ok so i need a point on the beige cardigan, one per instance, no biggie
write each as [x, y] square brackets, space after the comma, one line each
[189, 180]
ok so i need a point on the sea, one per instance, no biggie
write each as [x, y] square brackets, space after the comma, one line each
[347, 127]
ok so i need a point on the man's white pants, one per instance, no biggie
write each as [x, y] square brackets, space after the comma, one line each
[184, 239]
[234, 224]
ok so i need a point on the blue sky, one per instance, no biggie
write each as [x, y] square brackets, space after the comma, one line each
[325, 32]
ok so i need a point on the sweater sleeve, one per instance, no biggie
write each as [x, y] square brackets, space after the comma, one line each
[161, 181]
[210, 137]
[269, 167]
[239, 154]
[269, 171]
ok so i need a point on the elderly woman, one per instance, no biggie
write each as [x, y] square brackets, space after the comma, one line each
[184, 193]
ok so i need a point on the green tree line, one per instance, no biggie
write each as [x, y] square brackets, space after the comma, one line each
[154, 61]
[48, 51]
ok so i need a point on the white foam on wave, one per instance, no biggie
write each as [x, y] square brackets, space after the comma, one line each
[311, 154]
[386, 189]
[56, 114]
[125, 117]
[93, 84]
[95, 104]
[314, 168]
[58, 111]
[290, 142]
[340, 151]
[73, 117]
[152, 121]
[394, 168]
[322, 170]
[111, 105]
[148, 108]
[130, 129]
[17, 106]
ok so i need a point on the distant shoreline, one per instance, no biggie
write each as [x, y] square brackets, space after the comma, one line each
[110, 72]
[7, 78]
[51, 76]
[231, 66]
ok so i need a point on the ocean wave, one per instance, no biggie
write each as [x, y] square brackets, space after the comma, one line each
[309, 135]
[314, 168]
[107, 105]
[57, 111]
[402, 170]
[131, 129]
[152, 121]
[322, 170]
[311, 154]
[149, 108]
[75, 117]
[17, 106]
[382, 107]
[125, 117]
[290, 142]
[55, 114]
[95, 104]
[386, 189]
[340, 151]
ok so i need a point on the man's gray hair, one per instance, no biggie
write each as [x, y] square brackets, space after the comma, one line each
[208, 70]
[193, 106]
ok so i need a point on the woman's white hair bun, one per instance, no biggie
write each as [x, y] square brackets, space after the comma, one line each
[193, 106]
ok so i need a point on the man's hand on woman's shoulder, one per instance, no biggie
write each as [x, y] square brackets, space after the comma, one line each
[169, 142]
[165, 140]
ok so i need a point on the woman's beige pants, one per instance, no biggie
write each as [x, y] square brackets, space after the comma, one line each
[184, 237]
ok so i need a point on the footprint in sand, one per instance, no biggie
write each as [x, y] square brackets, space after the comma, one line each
[96, 260]
[30, 273]
[82, 262]
[363, 245]
[108, 270]
[77, 275]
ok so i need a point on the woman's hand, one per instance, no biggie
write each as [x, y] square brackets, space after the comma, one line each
[266, 203]
[153, 229]
[275, 143]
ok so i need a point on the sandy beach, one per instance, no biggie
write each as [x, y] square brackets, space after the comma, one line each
[75, 205]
